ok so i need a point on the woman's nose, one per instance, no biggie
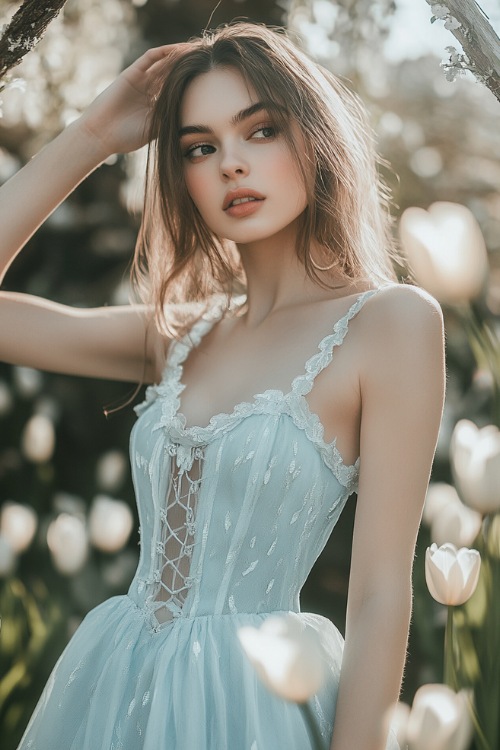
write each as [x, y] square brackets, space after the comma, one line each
[232, 163]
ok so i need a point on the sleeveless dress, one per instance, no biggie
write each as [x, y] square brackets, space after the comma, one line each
[232, 518]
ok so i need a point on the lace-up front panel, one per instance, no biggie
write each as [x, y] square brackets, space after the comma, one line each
[233, 514]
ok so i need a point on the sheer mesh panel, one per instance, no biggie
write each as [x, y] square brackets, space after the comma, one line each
[172, 573]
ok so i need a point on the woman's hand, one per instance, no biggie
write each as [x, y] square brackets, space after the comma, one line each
[119, 117]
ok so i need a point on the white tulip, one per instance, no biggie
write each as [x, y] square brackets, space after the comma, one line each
[68, 544]
[110, 523]
[7, 557]
[286, 655]
[446, 251]
[451, 574]
[439, 719]
[38, 439]
[456, 523]
[439, 495]
[475, 462]
[18, 524]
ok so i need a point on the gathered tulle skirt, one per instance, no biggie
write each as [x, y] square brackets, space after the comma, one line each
[118, 685]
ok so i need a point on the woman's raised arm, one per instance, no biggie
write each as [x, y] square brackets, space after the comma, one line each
[103, 343]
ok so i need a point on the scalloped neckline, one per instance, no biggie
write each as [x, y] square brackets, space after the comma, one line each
[203, 327]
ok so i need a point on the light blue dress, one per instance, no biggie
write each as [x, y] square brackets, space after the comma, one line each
[232, 518]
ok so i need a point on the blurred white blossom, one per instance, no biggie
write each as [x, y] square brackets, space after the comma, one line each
[18, 525]
[110, 523]
[286, 655]
[439, 495]
[446, 251]
[38, 439]
[68, 544]
[110, 470]
[27, 381]
[451, 574]
[475, 462]
[456, 523]
[439, 719]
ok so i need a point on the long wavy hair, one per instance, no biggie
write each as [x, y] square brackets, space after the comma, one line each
[178, 259]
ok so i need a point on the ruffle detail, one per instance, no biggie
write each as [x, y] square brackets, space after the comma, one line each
[271, 401]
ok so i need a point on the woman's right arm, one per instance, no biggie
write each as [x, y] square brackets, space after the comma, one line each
[106, 342]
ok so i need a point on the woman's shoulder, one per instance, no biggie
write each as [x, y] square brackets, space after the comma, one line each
[402, 304]
[400, 320]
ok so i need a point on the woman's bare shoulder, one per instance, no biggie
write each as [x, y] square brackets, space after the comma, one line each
[401, 306]
[402, 321]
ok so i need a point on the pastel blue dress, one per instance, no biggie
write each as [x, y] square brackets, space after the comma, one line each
[232, 518]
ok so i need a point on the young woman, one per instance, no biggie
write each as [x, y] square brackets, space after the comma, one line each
[289, 369]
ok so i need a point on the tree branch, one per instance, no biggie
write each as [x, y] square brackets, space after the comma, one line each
[469, 24]
[25, 30]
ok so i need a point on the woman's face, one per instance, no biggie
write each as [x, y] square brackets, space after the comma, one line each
[230, 152]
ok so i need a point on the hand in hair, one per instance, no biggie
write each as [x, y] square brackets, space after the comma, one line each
[119, 117]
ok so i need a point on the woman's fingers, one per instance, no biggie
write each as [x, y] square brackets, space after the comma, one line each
[156, 55]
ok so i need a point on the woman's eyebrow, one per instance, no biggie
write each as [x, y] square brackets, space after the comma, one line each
[239, 117]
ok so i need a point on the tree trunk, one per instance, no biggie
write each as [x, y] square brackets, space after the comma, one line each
[469, 24]
[25, 30]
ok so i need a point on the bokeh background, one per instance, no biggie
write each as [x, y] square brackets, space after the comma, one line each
[68, 536]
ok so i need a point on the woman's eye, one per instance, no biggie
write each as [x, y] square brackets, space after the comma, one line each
[268, 130]
[190, 151]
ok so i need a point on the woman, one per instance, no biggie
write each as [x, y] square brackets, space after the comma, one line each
[262, 180]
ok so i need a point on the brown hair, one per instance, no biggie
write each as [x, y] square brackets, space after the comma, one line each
[179, 259]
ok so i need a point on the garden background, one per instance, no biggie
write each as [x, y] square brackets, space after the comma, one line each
[59, 454]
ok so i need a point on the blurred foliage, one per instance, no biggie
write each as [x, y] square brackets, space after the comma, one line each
[440, 140]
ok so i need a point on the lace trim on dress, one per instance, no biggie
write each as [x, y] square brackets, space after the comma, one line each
[271, 401]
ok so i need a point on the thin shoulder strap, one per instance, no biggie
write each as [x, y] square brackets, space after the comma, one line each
[304, 383]
[178, 350]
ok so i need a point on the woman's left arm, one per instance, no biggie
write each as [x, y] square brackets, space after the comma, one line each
[402, 385]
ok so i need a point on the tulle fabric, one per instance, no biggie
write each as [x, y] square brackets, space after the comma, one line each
[120, 686]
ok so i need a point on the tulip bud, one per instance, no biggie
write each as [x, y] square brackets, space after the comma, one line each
[451, 574]
[110, 523]
[18, 524]
[439, 719]
[67, 541]
[475, 462]
[287, 656]
[446, 251]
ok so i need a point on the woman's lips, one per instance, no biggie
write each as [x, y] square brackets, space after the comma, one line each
[244, 209]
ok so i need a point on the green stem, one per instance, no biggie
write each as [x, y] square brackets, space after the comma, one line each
[450, 677]
[311, 721]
